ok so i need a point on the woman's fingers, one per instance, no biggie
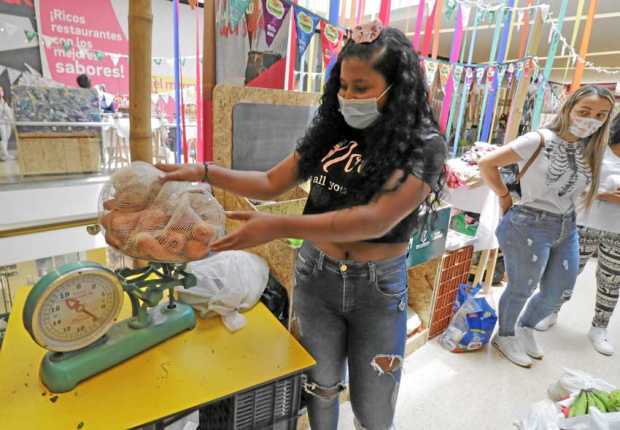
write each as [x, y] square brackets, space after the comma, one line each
[167, 167]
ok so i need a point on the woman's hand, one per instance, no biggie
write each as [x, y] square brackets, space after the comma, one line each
[505, 203]
[257, 229]
[613, 197]
[182, 172]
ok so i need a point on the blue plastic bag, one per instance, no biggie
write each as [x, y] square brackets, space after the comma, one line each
[473, 322]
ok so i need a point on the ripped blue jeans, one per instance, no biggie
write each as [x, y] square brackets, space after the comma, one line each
[539, 248]
[355, 313]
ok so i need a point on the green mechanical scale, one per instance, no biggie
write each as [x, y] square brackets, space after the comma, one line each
[73, 313]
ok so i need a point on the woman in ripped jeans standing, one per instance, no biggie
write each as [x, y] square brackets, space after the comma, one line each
[538, 237]
[373, 156]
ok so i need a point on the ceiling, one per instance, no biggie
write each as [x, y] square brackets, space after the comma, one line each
[604, 48]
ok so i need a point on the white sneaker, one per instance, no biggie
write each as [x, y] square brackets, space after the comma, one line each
[598, 337]
[528, 340]
[548, 322]
[512, 349]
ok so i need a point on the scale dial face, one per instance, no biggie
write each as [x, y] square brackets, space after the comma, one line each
[74, 309]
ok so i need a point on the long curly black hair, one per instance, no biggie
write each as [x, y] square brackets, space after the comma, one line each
[405, 134]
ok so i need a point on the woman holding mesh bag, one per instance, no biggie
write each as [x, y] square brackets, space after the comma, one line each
[373, 155]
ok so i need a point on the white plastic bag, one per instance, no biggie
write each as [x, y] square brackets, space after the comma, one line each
[228, 283]
[543, 415]
[490, 216]
[595, 420]
[573, 381]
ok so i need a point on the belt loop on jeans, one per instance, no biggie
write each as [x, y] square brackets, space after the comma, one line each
[320, 260]
[372, 271]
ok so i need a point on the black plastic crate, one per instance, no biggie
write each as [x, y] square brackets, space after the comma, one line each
[273, 406]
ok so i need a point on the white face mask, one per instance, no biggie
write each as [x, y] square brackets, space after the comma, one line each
[361, 113]
[584, 127]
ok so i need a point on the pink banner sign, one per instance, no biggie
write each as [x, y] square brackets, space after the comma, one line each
[82, 39]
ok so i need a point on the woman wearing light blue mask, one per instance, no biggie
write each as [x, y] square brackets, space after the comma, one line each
[373, 156]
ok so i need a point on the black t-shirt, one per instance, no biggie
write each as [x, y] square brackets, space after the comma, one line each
[331, 180]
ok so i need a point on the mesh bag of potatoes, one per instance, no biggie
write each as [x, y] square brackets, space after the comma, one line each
[174, 222]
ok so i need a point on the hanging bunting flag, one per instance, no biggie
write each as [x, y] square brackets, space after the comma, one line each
[50, 41]
[491, 77]
[14, 74]
[306, 24]
[237, 11]
[99, 55]
[450, 8]
[458, 75]
[431, 70]
[30, 35]
[444, 73]
[501, 72]
[252, 18]
[274, 12]
[480, 71]
[115, 58]
[332, 41]
[158, 61]
[510, 71]
[66, 45]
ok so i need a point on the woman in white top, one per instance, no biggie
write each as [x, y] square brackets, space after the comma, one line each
[538, 236]
[599, 231]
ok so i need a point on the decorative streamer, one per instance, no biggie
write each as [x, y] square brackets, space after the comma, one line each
[428, 32]
[525, 31]
[185, 147]
[437, 28]
[458, 75]
[512, 23]
[418, 25]
[360, 11]
[334, 11]
[177, 79]
[583, 49]
[384, 11]
[553, 47]
[501, 57]
[467, 88]
[353, 13]
[200, 150]
[492, 59]
[454, 57]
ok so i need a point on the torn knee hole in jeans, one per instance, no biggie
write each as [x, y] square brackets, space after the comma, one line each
[321, 392]
[384, 363]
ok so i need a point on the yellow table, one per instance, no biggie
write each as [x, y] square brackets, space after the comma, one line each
[181, 374]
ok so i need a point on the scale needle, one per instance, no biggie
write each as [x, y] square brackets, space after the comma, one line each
[75, 305]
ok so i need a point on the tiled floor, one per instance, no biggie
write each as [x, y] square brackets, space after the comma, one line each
[482, 390]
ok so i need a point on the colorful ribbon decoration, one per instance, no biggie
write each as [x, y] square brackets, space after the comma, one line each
[492, 59]
[384, 11]
[418, 25]
[428, 33]
[177, 79]
[454, 56]
[200, 150]
[553, 48]
[466, 87]
[583, 49]
[573, 38]
[501, 57]
[436, 28]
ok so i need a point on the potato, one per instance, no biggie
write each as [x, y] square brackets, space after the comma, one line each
[112, 240]
[195, 250]
[132, 199]
[149, 248]
[204, 233]
[153, 219]
[110, 205]
[172, 241]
